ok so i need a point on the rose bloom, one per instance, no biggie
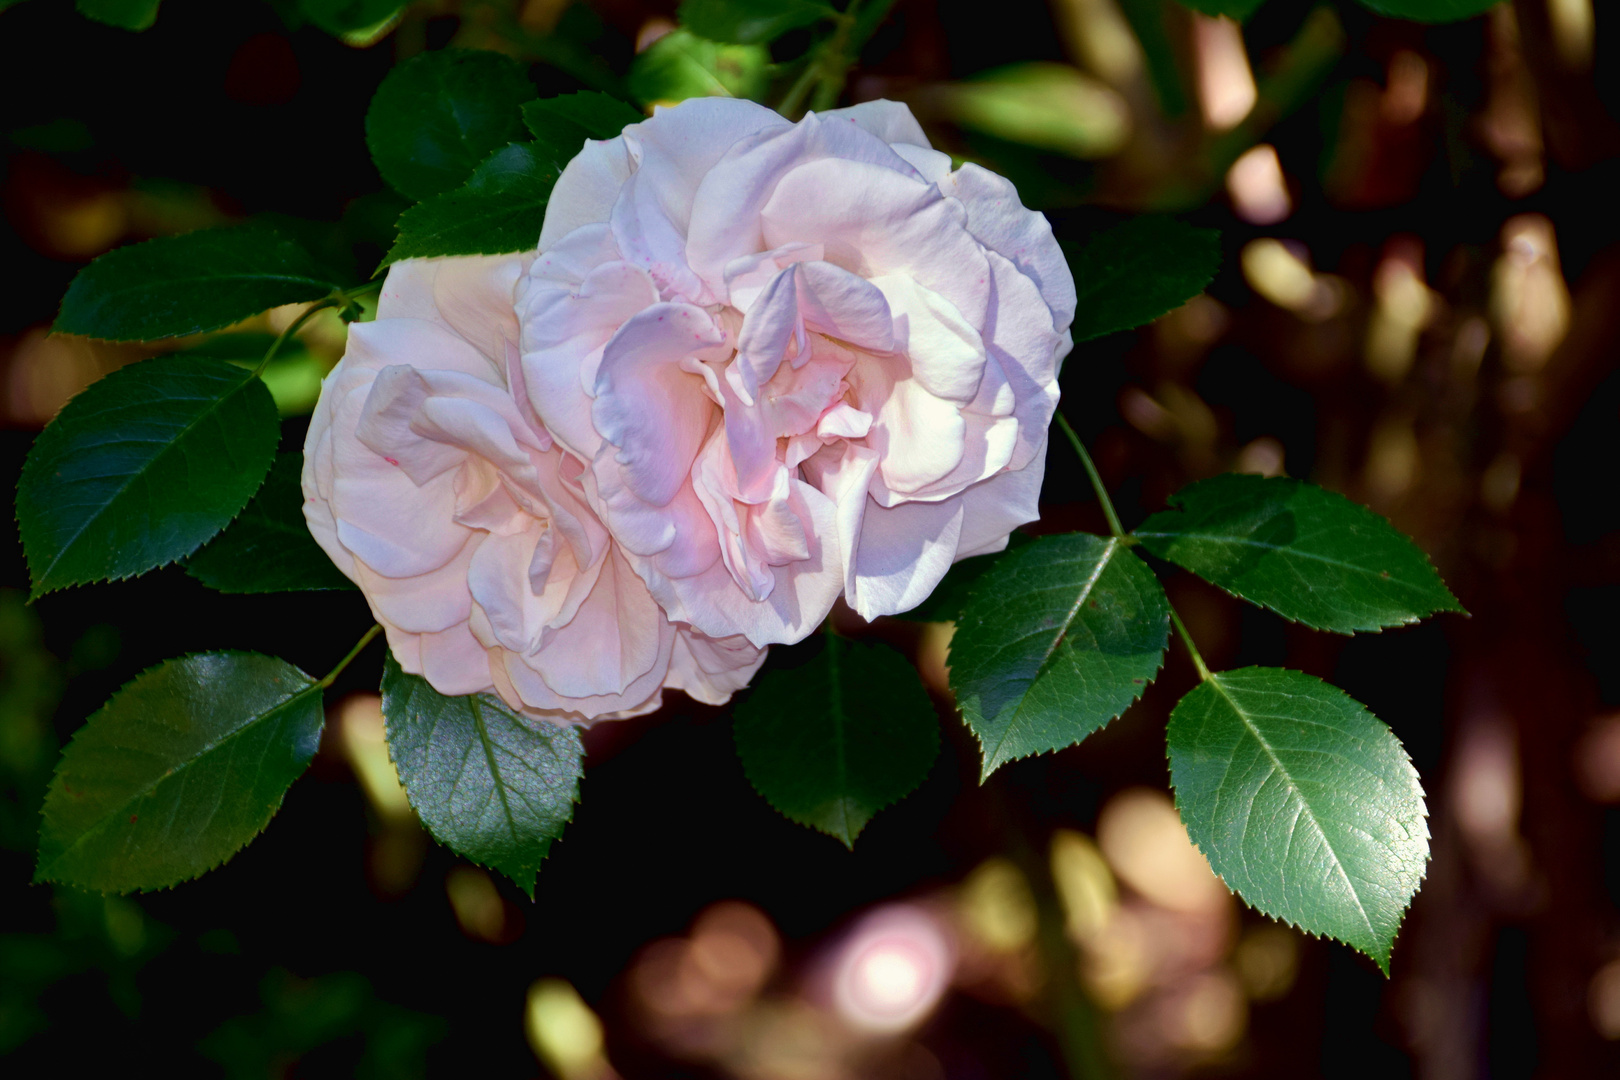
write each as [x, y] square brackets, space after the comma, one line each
[798, 360]
[753, 365]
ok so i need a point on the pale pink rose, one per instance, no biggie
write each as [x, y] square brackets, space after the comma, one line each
[432, 484]
[799, 360]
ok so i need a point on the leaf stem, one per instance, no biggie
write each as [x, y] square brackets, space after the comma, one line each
[297, 324]
[1192, 650]
[1096, 482]
[331, 676]
[792, 104]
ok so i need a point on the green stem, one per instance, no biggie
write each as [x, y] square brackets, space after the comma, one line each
[331, 676]
[1192, 650]
[1096, 482]
[792, 104]
[296, 325]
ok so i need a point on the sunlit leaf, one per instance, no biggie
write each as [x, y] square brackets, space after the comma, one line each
[178, 771]
[750, 22]
[1303, 801]
[269, 548]
[1308, 554]
[491, 784]
[835, 740]
[1129, 275]
[142, 468]
[1056, 639]
[681, 65]
[191, 283]
[438, 115]
[500, 209]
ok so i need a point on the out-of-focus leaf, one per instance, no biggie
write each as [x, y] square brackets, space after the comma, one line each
[1303, 801]
[190, 284]
[125, 14]
[1431, 11]
[178, 771]
[1306, 553]
[750, 22]
[357, 22]
[1129, 275]
[142, 468]
[494, 786]
[1049, 106]
[269, 548]
[950, 596]
[500, 209]
[1147, 19]
[834, 741]
[1234, 9]
[1057, 639]
[681, 65]
[438, 115]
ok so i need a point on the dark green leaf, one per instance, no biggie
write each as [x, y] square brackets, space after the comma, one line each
[143, 468]
[269, 548]
[681, 65]
[126, 14]
[950, 596]
[189, 284]
[1431, 11]
[1236, 9]
[495, 786]
[1303, 801]
[358, 22]
[1131, 274]
[178, 771]
[750, 22]
[500, 209]
[439, 114]
[1055, 641]
[564, 123]
[1306, 553]
[834, 741]
[1148, 23]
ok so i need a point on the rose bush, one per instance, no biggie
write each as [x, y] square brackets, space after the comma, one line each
[754, 365]
[797, 359]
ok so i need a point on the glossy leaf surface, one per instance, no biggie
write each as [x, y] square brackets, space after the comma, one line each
[269, 548]
[494, 786]
[142, 468]
[832, 742]
[439, 114]
[191, 283]
[749, 22]
[681, 65]
[1308, 554]
[500, 209]
[1129, 275]
[1057, 639]
[178, 771]
[1303, 801]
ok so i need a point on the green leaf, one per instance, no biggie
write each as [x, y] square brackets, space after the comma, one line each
[1148, 19]
[356, 22]
[750, 22]
[1131, 274]
[191, 283]
[143, 468]
[1303, 801]
[125, 14]
[1236, 9]
[1057, 639]
[681, 65]
[1431, 11]
[495, 786]
[269, 548]
[178, 771]
[1308, 554]
[563, 123]
[439, 114]
[500, 209]
[834, 741]
[950, 596]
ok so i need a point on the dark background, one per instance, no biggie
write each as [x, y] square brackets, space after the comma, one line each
[221, 111]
